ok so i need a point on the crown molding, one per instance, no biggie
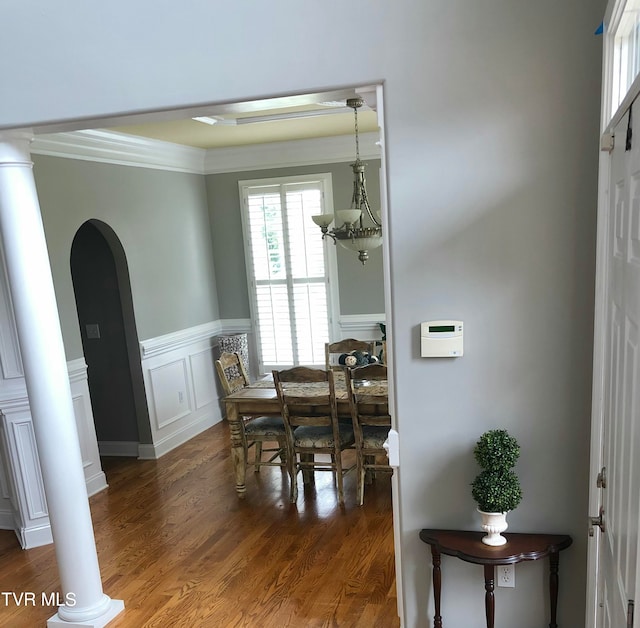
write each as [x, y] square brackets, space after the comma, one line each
[120, 149]
[129, 150]
[292, 153]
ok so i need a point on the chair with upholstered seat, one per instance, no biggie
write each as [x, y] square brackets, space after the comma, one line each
[333, 350]
[307, 399]
[257, 429]
[369, 404]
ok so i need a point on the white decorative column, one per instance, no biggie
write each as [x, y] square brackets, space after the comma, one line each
[47, 382]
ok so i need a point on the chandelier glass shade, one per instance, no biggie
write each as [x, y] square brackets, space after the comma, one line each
[352, 233]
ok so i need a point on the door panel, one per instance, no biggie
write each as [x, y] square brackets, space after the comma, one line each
[617, 577]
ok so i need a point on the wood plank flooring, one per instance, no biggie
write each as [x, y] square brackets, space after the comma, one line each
[177, 545]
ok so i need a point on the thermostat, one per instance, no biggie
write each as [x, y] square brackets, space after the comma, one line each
[441, 339]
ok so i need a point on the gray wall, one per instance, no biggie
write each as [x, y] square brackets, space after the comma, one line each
[162, 221]
[361, 287]
[491, 136]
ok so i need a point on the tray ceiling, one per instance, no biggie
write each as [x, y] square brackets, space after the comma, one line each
[257, 122]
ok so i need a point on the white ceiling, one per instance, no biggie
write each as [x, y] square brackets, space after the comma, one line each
[305, 116]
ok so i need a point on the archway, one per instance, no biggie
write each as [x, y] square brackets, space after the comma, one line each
[109, 338]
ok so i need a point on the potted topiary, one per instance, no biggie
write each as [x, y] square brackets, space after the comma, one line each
[497, 488]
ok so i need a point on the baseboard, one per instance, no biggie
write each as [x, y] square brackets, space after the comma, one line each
[146, 451]
[96, 483]
[164, 446]
[120, 448]
[35, 537]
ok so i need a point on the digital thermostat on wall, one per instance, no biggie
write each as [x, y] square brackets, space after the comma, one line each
[441, 339]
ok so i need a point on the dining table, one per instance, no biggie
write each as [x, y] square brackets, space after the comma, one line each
[260, 399]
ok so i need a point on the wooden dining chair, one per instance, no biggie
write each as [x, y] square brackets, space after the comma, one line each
[308, 401]
[333, 350]
[256, 429]
[369, 404]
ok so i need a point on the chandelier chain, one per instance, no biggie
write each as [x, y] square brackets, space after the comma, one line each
[355, 111]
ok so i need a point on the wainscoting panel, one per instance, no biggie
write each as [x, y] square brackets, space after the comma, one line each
[29, 463]
[7, 502]
[31, 518]
[180, 383]
[23, 506]
[204, 377]
[93, 473]
[9, 510]
[169, 392]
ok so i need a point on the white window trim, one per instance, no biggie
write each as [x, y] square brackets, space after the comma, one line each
[333, 296]
[610, 117]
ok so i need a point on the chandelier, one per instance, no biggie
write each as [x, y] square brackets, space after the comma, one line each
[352, 233]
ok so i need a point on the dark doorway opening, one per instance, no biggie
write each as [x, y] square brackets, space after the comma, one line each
[109, 338]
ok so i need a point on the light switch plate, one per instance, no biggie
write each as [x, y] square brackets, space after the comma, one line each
[93, 330]
[392, 445]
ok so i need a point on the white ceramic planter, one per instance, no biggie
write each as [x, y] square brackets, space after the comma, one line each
[494, 523]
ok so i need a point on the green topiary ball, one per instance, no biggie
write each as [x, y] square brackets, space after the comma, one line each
[496, 491]
[496, 450]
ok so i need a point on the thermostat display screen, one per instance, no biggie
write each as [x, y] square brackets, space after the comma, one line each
[441, 328]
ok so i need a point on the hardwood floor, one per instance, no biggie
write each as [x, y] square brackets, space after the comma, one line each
[177, 545]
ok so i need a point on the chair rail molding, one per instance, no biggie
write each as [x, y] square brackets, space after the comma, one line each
[176, 340]
[236, 326]
[365, 326]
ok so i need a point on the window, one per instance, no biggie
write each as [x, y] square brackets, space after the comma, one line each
[287, 265]
[626, 50]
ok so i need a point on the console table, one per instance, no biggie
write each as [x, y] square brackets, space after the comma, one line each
[468, 547]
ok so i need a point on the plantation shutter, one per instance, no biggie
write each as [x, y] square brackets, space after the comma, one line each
[288, 272]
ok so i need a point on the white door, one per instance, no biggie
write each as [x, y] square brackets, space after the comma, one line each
[614, 550]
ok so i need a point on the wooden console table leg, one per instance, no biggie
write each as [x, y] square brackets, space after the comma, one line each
[437, 587]
[554, 562]
[489, 600]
